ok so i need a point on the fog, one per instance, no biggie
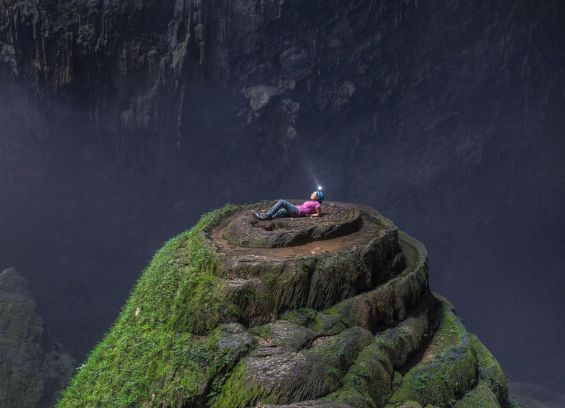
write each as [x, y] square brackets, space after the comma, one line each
[479, 179]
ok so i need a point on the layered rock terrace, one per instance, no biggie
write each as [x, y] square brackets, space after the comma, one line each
[331, 312]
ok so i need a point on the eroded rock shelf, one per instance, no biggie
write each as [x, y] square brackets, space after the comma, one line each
[308, 312]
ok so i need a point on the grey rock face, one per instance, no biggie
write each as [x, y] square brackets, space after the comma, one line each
[144, 67]
[417, 105]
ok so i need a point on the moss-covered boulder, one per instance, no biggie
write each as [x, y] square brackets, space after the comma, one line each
[33, 368]
[333, 312]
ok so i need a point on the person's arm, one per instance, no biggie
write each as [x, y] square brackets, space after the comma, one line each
[318, 212]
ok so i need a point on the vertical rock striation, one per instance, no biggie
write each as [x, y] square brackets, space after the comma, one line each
[146, 71]
[403, 98]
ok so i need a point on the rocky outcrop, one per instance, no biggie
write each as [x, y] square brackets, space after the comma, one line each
[344, 321]
[33, 368]
[153, 74]
[408, 104]
[245, 231]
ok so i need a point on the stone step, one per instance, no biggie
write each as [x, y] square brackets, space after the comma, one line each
[370, 373]
[479, 397]
[262, 287]
[282, 376]
[389, 301]
[369, 381]
[244, 230]
[445, 370]
[343, 319]
[490, 371]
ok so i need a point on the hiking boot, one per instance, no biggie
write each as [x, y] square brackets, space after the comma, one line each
[261, 215]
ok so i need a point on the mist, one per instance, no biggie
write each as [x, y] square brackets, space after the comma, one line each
[451, 124]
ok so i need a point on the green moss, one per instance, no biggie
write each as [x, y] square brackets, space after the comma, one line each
[271, 279]
[237, 392]
[302, 316]
[489, 369]
[33, 368]
[447, 369]
[303, 375]
[369, 381]
[261, 331]
[157, 352]
[479, 397]
[328, 323]
[407, 404]
[167, 347]
[254, 242]
[274, 289]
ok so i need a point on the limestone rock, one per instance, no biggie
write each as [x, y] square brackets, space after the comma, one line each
[342, 318]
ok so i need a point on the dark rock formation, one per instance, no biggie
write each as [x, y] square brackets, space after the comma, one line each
[340, 322]
[33, 368]
[448, 117]
[247, 232]
[157, 73]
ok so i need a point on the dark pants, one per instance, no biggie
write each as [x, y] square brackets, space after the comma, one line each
[283, 209]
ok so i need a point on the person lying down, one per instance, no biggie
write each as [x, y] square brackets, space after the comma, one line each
[283, 208]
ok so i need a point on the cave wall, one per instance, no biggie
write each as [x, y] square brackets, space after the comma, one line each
[122, 121]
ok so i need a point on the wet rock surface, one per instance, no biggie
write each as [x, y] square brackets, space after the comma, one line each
[392, 94]
[247, 231]
[352, 325]
[318, 274]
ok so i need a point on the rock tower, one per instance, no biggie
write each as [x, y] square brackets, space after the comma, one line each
[294, 312]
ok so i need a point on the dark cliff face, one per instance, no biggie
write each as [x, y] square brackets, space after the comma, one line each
[288, 74]
[122, 121]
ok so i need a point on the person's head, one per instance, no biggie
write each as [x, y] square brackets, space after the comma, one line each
[317, 195]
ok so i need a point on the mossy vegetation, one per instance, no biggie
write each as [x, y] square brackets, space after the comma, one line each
[237, 391]
[279, 374]
[20, 335]
[161, 351]
[446, 369]
[479, 397]
[490, 371]
[369, 381]
[33, 367]
[200, 330]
